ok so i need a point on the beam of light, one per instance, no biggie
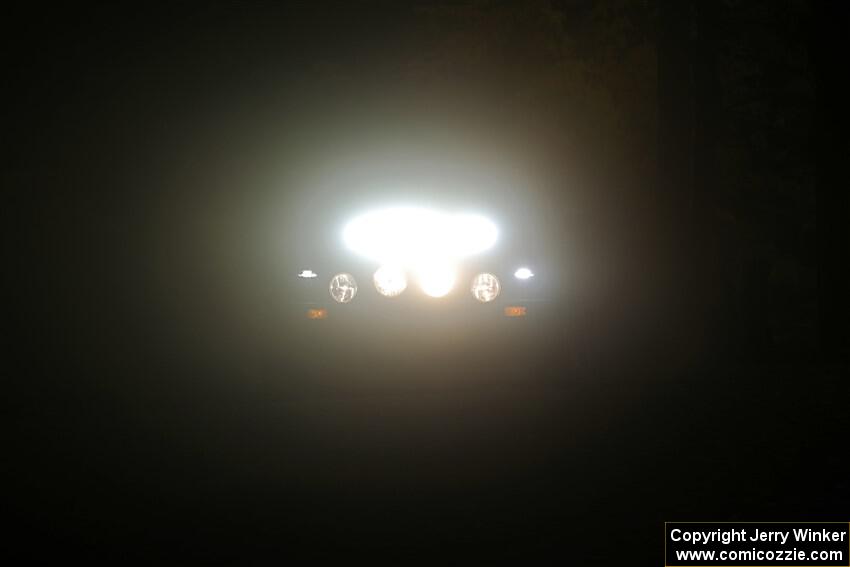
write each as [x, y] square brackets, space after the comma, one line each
[408, 236]
[485, 287]
[523, 274]
[436, 280]
[390, 281]
[343, 288]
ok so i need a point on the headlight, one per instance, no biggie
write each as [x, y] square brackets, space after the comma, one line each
[523, 274]
[436, 280]
[485, 287]
[390, 281]
[343, 288]
[410, 236]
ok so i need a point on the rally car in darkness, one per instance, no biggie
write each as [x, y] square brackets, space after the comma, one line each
[406, 264]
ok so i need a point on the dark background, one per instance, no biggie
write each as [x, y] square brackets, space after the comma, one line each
[677, 168]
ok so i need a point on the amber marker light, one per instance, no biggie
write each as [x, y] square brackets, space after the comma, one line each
[515, 311]
[317, 313]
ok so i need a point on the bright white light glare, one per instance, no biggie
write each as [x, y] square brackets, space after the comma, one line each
[343, 288]
[307, 274]
[390, 281]
[436, 280]
[407, 236]
[523, 274]
[485, 287]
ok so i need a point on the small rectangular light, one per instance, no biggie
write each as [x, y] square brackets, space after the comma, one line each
[317, 313]
[515, 311]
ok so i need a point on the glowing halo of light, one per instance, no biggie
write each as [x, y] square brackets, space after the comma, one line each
[343, 287]
[390, 281]
[485, 287]
[523, 274]
[409, 236]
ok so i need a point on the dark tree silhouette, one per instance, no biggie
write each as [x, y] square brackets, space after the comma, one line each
[675, 109]
[833, 213]
[736, 176]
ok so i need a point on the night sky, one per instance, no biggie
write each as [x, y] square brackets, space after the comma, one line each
[674, 168]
